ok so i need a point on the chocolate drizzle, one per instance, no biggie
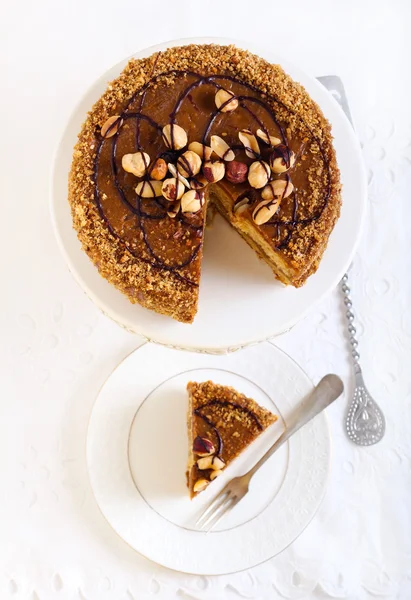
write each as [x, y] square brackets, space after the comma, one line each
[169, 155]
[213, 426]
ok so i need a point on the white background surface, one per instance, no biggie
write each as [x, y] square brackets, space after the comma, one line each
[56, 349]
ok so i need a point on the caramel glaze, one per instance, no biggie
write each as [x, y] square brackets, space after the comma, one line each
[207, 420]
[142, 225]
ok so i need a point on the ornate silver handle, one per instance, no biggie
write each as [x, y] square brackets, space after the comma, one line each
[351, 328]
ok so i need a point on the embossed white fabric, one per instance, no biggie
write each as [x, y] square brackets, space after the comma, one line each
[56, 348]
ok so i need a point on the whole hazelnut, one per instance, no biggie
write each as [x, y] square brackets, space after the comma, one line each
[222, 100]
[213, 171]
[192, 201]
[203, 446]
[236, 171]
[174, 136]
[215, 474]
[189, 164]
[159, 170]
[172, 189]
[258, 174]
[136, 163]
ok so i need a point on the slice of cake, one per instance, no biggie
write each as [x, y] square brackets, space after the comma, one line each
[221, 424]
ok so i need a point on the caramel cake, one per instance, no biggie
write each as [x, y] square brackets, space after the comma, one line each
[188, 127]
[221, 424]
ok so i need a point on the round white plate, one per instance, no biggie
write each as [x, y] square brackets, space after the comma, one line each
[137, 454]
[236, 287]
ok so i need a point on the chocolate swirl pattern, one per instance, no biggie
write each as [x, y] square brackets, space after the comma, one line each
[139, 238]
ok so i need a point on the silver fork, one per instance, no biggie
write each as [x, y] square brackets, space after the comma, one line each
[328, 390]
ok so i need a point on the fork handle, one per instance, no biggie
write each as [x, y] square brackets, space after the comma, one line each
[328, 390]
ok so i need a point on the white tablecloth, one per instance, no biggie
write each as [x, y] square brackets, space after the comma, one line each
[57, 349]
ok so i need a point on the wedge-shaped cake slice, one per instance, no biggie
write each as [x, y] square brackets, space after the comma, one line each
[221, 424]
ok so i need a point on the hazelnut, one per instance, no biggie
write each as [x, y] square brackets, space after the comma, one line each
[203, 446]
[222, 100]
[249, 141]
[136, 163]
[282, 159]
[174, 136]
[205, 463]
[258, 174]
[265, 210]
[200, 485]
[217, 463]
[215, 474]
[159, 169]
[172, 189]
[278, 188]
[221, 148]
[189, 164]
[213, 171]
[111, 126]
[174, 209]
[173, 170]
[192, 201]
[204, 152]
[271, 140]
[198, 183]
[241, 206]
[149, 189]
[236, 171]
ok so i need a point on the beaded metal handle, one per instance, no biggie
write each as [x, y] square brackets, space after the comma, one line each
[365, 423]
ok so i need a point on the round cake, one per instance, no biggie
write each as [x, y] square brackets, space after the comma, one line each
[192, 128]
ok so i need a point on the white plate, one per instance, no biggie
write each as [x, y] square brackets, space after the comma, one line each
[137, 454]
[237, 292]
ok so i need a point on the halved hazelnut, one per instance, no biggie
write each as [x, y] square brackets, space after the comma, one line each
[258, 174]
[271, 140]
[192, 201]
[174, 136]
[136, 163]
[236, 171]
[173, 170]
[221, 148]
[217, 463]
[200, 485]
[189, 164]
[204, 152]
[282, 159]
[222, 100]
[203, 446]
[159, 170]
[241, 205]
[249, 141]
[213, 171]
[174, 209]
[205, 463]
[265, 210]
[278, 188]
[172, 189]
[215, 474]
[111, 126]
[198, 183]
[149, 189]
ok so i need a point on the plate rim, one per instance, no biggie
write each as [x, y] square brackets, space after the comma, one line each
[327, 433]
[99, 301]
